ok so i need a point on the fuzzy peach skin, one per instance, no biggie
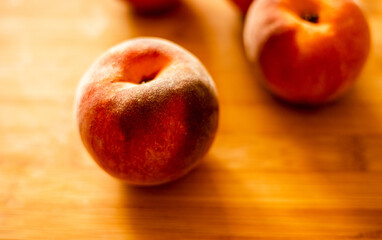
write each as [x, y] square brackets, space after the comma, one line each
[152, 6]
[147, 111]
[243, 5]
[306, 51]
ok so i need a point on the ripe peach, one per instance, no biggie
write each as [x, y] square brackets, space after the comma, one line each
[152, 6]
[243, 5]
[306, 51]
[147, 111]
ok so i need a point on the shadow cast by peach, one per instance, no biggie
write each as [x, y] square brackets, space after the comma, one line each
[190, 207]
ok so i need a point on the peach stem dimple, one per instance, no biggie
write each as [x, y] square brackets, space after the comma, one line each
[310, 17]
[148, 78]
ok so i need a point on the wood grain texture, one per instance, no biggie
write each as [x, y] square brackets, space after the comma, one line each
[274, 171]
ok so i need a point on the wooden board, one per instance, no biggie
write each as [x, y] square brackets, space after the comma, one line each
[274, 171]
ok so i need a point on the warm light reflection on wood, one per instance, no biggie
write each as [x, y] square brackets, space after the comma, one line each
[274, 171]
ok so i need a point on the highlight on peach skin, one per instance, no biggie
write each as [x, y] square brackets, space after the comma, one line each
[147, 111]
[306, 51]
[152, 6]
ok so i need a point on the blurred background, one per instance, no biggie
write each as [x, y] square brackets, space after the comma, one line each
[275, 171]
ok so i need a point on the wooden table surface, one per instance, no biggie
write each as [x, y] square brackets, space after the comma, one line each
[274, 172]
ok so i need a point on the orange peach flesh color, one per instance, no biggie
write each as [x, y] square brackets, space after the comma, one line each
[303, 61]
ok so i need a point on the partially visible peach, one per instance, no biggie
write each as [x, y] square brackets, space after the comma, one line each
[307, 51]
[152, 6]
[243, 5]
[147, 111]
